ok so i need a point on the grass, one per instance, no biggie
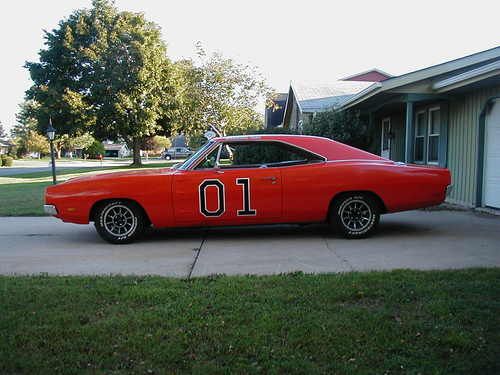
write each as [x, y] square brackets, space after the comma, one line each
[400, 322]
[22, 194]
[22, 199]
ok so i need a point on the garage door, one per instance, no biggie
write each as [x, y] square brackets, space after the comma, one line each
[492, 157]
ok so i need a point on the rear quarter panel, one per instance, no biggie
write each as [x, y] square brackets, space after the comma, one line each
[309, 189]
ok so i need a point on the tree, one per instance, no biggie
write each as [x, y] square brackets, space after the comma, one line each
[219, 94]
[95, 149]
[72, 143]
[2, 131]
[36, 142]
[161, 143]
[104, 72]
[26, 122]
[196, 140]
[155, 144]
[343, 126]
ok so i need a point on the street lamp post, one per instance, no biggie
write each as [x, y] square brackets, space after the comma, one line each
[51, 133]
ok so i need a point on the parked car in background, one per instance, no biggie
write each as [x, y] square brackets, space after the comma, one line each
[176, 153]
[261, 179]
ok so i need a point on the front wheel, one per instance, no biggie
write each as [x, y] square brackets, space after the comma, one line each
[167, 157]
[355, 215]
[119, 222]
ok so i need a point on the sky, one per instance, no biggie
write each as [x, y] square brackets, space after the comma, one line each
[311, 42]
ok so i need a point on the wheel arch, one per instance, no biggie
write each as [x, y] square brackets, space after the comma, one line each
[374, 196]
[98, 204]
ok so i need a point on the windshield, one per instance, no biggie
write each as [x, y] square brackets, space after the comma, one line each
[194, 157]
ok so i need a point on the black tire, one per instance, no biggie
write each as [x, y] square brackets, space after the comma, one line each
[120, 222]
[355, 215]
[168, 157]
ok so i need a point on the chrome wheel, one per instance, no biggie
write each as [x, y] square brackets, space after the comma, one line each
[356, 215]
[119, 220]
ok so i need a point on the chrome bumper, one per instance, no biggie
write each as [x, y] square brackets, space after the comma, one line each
[50, 209]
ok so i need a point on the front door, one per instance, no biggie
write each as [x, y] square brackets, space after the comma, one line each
[222, 192]
[385, 146]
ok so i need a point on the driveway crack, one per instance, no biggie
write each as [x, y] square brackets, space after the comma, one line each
[198, 251]
[342, 260]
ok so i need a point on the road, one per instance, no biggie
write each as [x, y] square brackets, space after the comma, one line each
[417, 240]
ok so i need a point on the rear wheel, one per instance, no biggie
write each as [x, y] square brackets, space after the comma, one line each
[355, 215]
[120, 222]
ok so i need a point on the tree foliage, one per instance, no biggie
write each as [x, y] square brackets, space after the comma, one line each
[104, 72]
[93, 150]
[36, 142]
[219, 94]
[3, 134]
[343, 126]
[156, 144]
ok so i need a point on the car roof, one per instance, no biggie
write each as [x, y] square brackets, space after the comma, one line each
[325, 147]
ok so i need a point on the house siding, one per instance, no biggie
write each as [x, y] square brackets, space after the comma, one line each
[463, 129]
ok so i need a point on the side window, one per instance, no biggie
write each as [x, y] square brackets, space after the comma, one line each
[210, 160]
[256, 154]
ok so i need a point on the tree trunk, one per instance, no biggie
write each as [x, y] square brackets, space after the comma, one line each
[136, 150]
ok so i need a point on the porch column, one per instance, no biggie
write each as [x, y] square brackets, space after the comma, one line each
[409, 129]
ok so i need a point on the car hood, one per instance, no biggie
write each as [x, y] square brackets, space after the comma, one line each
[120, 175]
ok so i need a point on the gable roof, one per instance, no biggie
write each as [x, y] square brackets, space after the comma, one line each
[465, 62]
[326, 96]
[470, 76]
[372, 75]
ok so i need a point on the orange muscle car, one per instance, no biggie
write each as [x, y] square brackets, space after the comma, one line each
[257, 179]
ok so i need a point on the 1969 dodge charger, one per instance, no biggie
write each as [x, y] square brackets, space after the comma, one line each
[247, 180]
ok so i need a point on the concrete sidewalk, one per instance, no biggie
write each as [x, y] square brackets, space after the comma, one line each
[417, 239]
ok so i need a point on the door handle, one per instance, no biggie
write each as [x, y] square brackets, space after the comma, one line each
[271, 178]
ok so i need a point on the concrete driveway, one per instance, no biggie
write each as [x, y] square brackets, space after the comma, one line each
[417, 239]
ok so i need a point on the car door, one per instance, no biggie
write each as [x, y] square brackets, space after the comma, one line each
[218, 192]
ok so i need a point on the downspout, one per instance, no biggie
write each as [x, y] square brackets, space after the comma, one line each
[480, 149]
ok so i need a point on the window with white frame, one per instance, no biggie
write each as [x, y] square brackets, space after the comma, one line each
[433, 135]
[427, 133]
[420, 130]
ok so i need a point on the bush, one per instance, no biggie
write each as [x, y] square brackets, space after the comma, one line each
[7, 161]
[272, 131]
[345, 126]
[94, 150]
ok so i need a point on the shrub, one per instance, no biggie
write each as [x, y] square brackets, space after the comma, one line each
[272, 131]
[94, 150]
[345, 126]
[7, 161]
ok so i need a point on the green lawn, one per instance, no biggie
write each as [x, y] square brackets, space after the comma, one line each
[22, 199]
[22, 194]
[400, 322]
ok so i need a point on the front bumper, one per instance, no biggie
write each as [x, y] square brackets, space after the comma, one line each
[50, 209]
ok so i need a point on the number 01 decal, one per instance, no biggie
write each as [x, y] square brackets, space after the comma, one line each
[246, 211]
[221, 198]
